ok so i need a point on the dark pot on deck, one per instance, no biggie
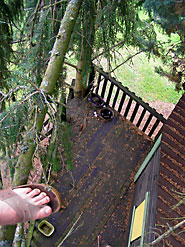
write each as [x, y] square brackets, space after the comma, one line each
[107, 113]
[96, 100]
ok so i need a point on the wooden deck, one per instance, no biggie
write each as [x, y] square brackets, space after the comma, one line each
[106, 157]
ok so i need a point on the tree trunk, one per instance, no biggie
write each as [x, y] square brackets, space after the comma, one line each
[78, 88]
[47, 86]
[87, 42]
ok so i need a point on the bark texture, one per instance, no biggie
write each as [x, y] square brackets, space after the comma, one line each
[48, 84]
[84, 66]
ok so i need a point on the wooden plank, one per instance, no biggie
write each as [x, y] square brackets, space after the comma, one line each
[145, 218]
[98, 82]
[87, 155]
[148, 181]
[148, 158]
[113, 168]
[147, 122]
[104, 87]
[128, 107]
[101, 173]
[131, 226]
[154, 127]
[110, 94]
[113, 232]
[115, 97]
[141, 117]
[134, 112]
[121, 102]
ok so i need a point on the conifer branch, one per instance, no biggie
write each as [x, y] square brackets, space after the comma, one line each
[137, 53]
[167, 233]
[53, 4]
[70, 64]
[11, 92]
[20, 103]
[34, 18]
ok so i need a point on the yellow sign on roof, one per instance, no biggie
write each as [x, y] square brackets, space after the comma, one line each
[138, 221]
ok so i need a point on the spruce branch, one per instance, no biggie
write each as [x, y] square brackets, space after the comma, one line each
[165, 7]
[62, 104]
[167, 233]
[137, 53]
[56, 3]
[34, 17]
[32, 83]
[20, 103]
[11, 92]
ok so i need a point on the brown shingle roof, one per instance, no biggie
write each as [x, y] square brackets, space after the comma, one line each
[171, 184]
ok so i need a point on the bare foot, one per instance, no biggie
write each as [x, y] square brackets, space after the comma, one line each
[8, 216]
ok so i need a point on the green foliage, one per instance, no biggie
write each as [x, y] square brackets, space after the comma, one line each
[67, 144]
[17, 116]
[113, 18]
[35, 40]
[59, 151]
[168, 13]
[10, 12]
[140, 77]
[36, 52]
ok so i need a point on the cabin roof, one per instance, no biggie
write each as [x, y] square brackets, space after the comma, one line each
[171, 183]
[161, 176]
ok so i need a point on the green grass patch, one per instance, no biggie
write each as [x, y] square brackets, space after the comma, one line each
[140, 77]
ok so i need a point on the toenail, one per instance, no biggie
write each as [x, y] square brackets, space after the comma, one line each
[47, 211]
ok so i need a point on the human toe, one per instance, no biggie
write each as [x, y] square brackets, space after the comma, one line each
[33, 193]
[44, 212]
[43, 201]
[39, 197]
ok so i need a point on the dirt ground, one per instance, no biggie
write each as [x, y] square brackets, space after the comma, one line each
[163, 108]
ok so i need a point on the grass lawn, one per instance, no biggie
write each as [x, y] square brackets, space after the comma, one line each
[140, 77]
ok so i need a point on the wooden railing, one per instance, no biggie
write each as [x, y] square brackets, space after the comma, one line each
[128, 104]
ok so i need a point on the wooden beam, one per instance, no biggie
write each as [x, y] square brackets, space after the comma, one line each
[148, 158]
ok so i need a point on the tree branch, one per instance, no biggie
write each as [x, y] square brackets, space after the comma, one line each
[127, 60]
[166, 234]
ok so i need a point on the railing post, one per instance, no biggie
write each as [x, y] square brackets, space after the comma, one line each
[132, 98]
